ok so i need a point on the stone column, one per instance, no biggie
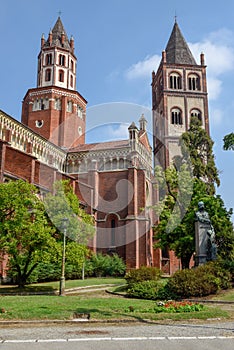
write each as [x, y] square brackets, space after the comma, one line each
[201, 239]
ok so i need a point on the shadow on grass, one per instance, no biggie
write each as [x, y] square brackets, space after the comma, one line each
[110, 315]
[27, 290]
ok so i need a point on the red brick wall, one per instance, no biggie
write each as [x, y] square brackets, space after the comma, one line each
[18, 163]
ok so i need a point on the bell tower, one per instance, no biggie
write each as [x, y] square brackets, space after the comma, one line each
[179, 91]
[54, 109]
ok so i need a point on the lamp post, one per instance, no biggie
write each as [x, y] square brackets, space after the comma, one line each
[62, 280]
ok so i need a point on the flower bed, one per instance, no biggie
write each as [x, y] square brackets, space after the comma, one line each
[170, 307]
[178, 306]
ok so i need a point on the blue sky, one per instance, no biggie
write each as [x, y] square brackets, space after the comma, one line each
[118, 43]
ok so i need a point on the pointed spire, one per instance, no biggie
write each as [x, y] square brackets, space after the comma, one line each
[177, 50]
[143, 122]
[58, 36]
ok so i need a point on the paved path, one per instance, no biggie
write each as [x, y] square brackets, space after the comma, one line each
[141, 336]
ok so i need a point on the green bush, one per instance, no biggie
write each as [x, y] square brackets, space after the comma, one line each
[201, 281]
[144, 273]
[99, 265]
[46, 272]
[144, 290]
[228, 265]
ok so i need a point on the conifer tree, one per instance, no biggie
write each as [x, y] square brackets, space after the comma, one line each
[228, 142]
[176, 228]
[198, 146]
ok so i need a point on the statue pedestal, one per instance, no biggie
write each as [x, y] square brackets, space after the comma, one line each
[201, 239]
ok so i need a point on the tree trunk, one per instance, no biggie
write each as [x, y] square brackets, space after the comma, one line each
[185, 260]
[21, 281]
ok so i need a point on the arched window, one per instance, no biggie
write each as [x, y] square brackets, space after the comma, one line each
[49, 59]
[61, 75]
[71, 80]
[196, 113]
[48, 74]
[194, 82]
[80, 130]
[176, 116]
[72, 65]
[61, 60]
[113, 225]
[57, 104]
[175, 81]
[80, 112]
[69, 106]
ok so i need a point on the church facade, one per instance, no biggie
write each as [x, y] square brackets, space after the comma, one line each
[113, 180]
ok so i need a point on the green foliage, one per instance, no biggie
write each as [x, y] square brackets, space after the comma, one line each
[178, 306]
[197, 144]
[147, 289]
[25, 235]
[180, 193]
[204, 280]
[228, 265]
[63, 203]
[221, 220]
[144, 273]
[99, 265]
[180, 236]
[228, 142]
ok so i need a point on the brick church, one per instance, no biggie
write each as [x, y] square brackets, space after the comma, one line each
[114, 180]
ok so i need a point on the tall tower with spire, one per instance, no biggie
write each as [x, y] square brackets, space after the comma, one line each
[54, 109]
[179, 91]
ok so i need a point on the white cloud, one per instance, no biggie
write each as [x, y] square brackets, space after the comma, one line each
[216, 116]
[218, 48]
[214, 87]
[119, 132]
[143, 69]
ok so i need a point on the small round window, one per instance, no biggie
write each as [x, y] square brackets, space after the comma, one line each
[39, 123]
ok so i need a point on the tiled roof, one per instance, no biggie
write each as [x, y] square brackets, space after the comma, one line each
[100, 146]
[56, 35]
[177, 50]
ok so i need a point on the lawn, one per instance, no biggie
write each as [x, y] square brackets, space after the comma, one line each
[226, 295]
[54, 286]
[101, 306]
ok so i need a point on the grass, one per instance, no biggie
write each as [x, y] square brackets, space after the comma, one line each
[105, 307]
[54, 286]
[226, 295]
[101, 306]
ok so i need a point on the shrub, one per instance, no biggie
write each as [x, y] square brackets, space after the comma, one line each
[99, 265]
[228, 265]
[143, 274]
[144, 290]
[201, 281]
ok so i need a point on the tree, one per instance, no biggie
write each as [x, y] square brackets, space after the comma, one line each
[197, 145]
[176, 210]
[221, 220]
[63, 203]
[228, 142]
[184, 187]
[25, 236]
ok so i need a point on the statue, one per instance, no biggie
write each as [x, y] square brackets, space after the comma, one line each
[206, 248]
[201, 214]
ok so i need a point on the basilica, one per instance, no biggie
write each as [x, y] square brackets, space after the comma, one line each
[113, 180]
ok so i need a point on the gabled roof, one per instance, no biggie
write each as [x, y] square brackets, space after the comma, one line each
[57, 32]
[177, 50]
[100, 146]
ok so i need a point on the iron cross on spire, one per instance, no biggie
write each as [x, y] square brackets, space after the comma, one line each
[59, 13]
